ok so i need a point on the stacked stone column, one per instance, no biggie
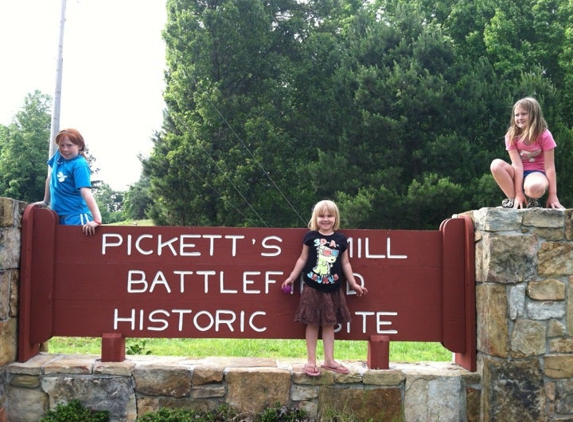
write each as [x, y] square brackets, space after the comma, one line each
[10, 219]
[524, 274]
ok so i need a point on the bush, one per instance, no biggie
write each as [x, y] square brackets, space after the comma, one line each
[74, 411]
[225, 413]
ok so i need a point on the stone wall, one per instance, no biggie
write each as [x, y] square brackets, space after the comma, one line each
[524, 268]
[10, 218]
[524, 294]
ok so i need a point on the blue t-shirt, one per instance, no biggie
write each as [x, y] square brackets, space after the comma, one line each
[67, 178]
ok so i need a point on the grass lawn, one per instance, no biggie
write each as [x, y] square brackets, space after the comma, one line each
[198, 348]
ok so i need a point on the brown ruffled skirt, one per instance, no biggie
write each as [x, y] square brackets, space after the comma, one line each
[321, 308]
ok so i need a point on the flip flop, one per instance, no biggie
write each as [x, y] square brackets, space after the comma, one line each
[338, 369]
[311, 370]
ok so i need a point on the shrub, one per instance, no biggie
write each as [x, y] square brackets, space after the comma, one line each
[225, 413]
[74, 411]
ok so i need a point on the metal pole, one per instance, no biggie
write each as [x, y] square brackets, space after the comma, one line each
[55, 124]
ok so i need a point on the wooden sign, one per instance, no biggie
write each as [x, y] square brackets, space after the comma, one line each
[213, 282]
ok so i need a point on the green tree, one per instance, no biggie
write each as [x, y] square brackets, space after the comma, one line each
[110, 203]
[24, 146]
[137, 201]
[394, 108]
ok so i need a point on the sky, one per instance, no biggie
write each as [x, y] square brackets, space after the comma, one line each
[112, 79]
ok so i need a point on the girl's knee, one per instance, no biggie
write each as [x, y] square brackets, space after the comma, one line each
[497, 165]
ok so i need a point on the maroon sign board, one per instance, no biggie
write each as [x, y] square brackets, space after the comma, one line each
[214, 282]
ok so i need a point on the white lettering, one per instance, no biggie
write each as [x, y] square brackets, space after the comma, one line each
[277, 249]
[349, 291]
[368, 254]
[355, 249]
[222, 320]
[117, 319]
[159, 279]
[212, 238]
[183, 246]
[131, 281]
[234, 243]
[164, 322]
[222, 284]
[182, 279]
[378, 321]
[181, 312]
[105, 241]
[269, 280]
[247, 281]
[168, 243]
[138, 245]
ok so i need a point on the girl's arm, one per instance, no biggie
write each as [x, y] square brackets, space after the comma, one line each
[520, 200]
[88, 196]
[349, 274]
[552, 201]
[297, 267]
[47, 197]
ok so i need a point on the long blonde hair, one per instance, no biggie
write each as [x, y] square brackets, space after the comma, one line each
[322, 207]
[535, 127]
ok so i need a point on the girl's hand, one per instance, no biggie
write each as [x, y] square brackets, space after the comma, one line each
[359, 290]
[288, 282]
[553, 202]
[89, 229]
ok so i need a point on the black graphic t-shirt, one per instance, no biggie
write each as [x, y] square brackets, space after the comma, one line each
[323, 269]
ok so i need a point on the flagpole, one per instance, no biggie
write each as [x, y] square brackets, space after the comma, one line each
[55, 124]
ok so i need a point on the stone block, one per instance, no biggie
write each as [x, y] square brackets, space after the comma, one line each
[376, 405]
[148, 404]
[115, 394]
[383, 377]
[528, 338]
[513, 390]
[473, 399]
[544, 218]
[548, 289]
[26, 405]
[208, 391]
[492, 324]
[568, 224]
[11, 212]
[555, 259]
[251, 390]
[506, 258]
[545, 310]
[558, 366]
[434, 398]
[207, 374]
[561, 345]
[569, 309]
[70, 364]
[564, 397]
[497, 220]
[25, 381]
[303, 392]
[162, 380]
[8, 340]
[10, 250]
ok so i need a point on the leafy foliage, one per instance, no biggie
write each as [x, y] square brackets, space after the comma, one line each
[394, 108]
[75, 411]
[110, 203]
[225, 413]
[24, 148]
